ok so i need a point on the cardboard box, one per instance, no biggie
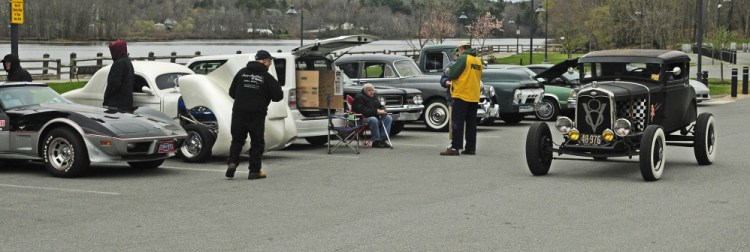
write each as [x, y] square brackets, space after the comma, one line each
[327, 88]
[307, 89]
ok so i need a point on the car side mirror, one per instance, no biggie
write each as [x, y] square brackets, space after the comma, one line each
[147, 90]
[675, 71]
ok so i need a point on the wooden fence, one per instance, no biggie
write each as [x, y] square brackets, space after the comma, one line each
[52, 69]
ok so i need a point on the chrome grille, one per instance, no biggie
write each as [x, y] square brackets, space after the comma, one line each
[593, 114]
[635, 111]
[393, 100]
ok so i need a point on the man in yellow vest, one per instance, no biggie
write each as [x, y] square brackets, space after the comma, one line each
[465, 87]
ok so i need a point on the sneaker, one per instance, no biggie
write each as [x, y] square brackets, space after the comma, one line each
[449, 152]
[256, 175]
[468, 152]
[231, 168]
[379, 144]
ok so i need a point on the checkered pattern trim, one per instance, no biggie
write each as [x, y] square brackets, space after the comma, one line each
[639, 110]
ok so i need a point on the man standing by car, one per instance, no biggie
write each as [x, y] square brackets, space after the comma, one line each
[465, 75]
[12, 65]
[252, 89]
[368, 104]
[119, 91]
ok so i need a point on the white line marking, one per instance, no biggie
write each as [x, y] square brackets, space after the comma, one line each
[196, 169]
[60, 189]
[419, 145]
[318, 155]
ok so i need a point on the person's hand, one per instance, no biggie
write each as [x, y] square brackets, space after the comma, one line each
[381, 112]
[448, 83]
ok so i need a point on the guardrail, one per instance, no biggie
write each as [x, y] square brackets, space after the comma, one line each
[47, 68]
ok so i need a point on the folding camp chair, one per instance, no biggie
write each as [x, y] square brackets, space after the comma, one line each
[347, 134]
[364, 140]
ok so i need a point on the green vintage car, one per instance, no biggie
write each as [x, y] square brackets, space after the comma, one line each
[559, 80]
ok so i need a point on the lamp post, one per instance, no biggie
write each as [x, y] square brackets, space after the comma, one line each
[531, 35]
[546, 25]
[699, 41]
[513, 21]
[640, 26]
[292, 11]
[464, 19]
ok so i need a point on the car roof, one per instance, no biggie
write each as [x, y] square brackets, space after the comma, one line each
[154, 68]
[634, 55]
[380, 57]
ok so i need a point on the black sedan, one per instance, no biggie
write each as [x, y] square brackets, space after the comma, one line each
[37, 123]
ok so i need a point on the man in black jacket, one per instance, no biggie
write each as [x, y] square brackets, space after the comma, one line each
[119, 91]
[12, 65]
[252, 89]
[368, 104]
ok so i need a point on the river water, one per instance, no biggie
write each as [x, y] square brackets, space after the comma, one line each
[206, 47]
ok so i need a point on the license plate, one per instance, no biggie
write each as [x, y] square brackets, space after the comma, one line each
[589, 139]
[166, 147]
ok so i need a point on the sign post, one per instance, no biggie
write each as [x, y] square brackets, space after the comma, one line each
[16, 18]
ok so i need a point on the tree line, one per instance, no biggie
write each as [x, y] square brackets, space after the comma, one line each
[576, 24]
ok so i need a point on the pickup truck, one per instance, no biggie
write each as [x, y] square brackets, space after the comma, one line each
[401, 71]
[515, 92]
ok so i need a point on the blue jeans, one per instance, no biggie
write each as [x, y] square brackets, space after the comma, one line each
[464, 112]
[378, 133]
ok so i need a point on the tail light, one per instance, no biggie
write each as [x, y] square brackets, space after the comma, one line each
[292, 98]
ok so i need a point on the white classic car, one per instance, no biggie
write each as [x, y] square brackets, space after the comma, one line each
[309, 123]
[156, 86]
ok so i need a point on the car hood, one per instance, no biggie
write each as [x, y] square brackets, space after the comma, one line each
[326, 46]
[699, 87]
[557, 70]
[140, 122]
[622, 89]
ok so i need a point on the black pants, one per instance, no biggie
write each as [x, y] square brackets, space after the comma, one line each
[242, 125]
[461, 112]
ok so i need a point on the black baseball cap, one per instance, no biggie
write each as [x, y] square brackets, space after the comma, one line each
[263, 54]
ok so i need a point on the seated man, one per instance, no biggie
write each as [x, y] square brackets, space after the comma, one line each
[367, 104]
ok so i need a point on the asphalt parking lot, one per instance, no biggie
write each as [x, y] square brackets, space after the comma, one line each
[403, 199]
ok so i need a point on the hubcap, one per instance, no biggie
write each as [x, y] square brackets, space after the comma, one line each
[192, 146]
[60, 154]
[711, 140]
[658, 154]
[545, 110]
[438, 116]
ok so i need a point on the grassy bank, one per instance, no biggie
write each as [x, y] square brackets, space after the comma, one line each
[62, 87]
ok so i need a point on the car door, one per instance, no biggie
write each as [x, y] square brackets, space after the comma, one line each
[679, 96]
[143, 98]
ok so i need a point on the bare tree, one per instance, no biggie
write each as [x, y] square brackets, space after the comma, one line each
[483, 27]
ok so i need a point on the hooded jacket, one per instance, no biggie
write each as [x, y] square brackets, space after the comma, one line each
[253, 88]
[466, 73]
[119, 91]
[366, 105]
[15, 72]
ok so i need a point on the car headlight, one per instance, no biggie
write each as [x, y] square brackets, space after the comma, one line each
[489, 91]
[608, 135]
[417, 99]
[622, 127]
[517, 96]
[574, 134]
[382, 100]
[564, 124]
[573, 93]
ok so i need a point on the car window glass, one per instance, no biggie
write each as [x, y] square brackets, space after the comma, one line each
[206, 67]
[436, 61]
[280, 66]
[12, 97]
[350, 69]
[406, 68]
[139, 83]
[374, 70]
[169, 80]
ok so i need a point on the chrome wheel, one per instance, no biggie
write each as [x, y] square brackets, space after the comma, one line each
[192, 146]
[61, 154]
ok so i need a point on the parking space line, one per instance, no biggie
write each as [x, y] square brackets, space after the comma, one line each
[316, 155]
[60, 189]
[196, 169]
[418, 145]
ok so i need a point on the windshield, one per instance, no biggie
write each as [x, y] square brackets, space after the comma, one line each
[12, 97]
[407, 68]
[616, 70]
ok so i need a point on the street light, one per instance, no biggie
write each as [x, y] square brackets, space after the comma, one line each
[546, 25]
[640, 26]
[292, 11]
[513, 21]
[464, 19]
